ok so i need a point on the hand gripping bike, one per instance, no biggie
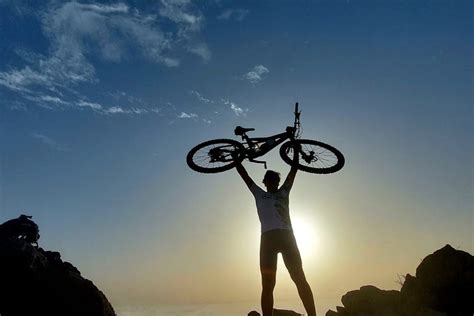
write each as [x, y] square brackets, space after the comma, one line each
[219, 155]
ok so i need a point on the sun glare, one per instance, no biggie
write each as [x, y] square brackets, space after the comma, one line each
[306, 235]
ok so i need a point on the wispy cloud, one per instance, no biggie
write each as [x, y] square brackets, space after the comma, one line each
[115, 110]
[112, 32]
[76, 30]
[80, 33]
[51, 143]
[184, 14]
[92, 105]
[120, 110]
[184, 115]
[238, 111]
[202, 50]
[111, 110]
[256, 74]
[20, 80]
[200, 97]
[46, 101]
[53, 99]
[235, 14]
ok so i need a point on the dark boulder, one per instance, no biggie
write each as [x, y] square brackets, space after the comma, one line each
[443, 286]
[37, 282]
[444, 282]
[369, 300]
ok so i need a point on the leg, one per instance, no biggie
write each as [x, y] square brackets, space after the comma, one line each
[268, 267]
[293, 263]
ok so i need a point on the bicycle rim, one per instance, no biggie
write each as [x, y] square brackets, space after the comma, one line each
[213, 156]
[321, 158]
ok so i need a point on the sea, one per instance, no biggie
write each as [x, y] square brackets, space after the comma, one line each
[229, 309]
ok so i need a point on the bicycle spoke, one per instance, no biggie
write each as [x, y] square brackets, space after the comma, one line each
[323, 157]
[214, 156]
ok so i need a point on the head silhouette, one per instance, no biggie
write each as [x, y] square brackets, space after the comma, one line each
[271, 180]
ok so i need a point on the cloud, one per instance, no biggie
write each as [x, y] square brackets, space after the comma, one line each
[256, 74]
[238, 111]
[184, 14]
[115, 110]
[46, 101]
[20, 80]
[184, 115]
[236, 14]
[76, 30]
[139, 111]
[92, 105]
[113, 32]
[49, 142]
[80, 33]
[200, 97]
[201, 50]
[48, 98]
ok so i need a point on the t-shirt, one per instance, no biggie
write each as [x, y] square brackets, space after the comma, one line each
[272, 208]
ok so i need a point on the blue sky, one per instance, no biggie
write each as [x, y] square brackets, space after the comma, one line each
[100, 102]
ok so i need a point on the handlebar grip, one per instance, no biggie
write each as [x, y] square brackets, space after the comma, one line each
[296, 107]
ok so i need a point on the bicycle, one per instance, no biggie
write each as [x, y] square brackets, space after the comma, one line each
[219, 155]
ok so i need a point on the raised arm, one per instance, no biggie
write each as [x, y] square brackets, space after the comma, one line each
[290, 178]
[243, 174]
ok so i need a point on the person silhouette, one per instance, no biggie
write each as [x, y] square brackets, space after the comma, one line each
[277, 235]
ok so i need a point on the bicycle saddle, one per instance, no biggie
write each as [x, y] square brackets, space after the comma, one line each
[239, 130]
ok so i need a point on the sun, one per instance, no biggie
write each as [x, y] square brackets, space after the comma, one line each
[306, 235]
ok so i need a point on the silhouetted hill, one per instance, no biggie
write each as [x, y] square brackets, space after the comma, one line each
[37, 282]
[443, 286]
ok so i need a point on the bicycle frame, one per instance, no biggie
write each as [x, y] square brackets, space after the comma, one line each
[259, 146]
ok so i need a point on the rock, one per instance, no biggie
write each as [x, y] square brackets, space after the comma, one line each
[38, 282]
[444, 282]
[369, 300]
[20, 228]
[443, 286]
[341, 311]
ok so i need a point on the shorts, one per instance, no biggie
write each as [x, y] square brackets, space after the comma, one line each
[279, 240]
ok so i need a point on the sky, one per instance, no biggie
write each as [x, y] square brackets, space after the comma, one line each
[101, 101]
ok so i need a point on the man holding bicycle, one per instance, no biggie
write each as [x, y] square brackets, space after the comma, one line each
[277, 235]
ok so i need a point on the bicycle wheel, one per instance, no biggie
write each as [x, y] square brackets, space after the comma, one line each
[214, 155]
[315, 157]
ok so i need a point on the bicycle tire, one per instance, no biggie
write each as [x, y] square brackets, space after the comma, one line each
[202, 161]
[327, 159]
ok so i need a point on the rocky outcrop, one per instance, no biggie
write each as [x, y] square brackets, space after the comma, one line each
[443, 286]
[37, 282]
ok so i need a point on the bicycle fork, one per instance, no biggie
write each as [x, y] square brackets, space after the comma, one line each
[306, 157]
